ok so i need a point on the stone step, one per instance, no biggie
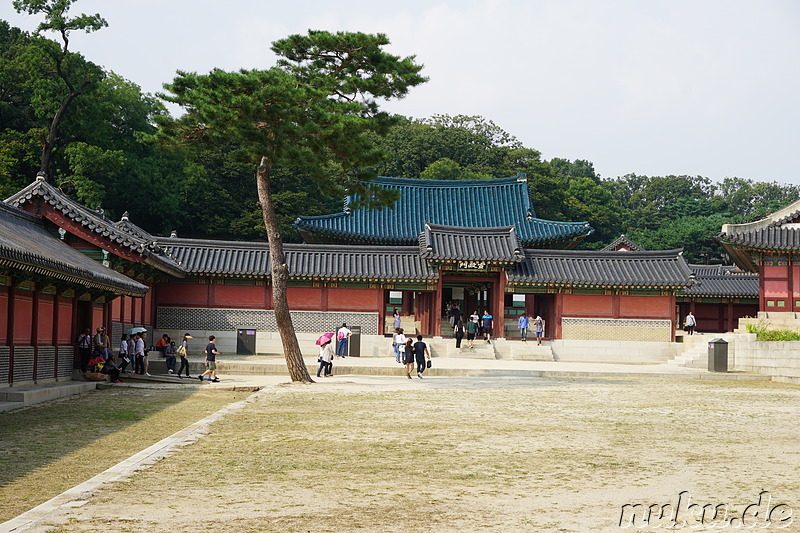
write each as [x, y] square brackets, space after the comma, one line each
[38, 394]
[8, 406]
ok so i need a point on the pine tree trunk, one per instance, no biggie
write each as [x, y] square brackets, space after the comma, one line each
[280, 277]
[52, 135]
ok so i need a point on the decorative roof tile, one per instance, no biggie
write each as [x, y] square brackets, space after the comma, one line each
[26, 245]
[119, 233]
[643, 270]
[448, 243]
[461, 203]
[623, 244]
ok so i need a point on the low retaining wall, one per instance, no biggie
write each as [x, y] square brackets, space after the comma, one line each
[780, 360]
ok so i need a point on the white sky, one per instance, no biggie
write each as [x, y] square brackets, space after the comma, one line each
[656, 87]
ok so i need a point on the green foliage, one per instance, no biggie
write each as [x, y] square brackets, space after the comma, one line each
[315, 111]
[764, 334]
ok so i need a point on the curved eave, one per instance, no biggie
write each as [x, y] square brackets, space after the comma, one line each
[545, 284]
[126, 290]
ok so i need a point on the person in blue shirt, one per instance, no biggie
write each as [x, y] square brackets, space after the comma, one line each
[523, 324]
[487, 326]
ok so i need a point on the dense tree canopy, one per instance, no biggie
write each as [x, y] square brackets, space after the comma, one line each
[207, 192]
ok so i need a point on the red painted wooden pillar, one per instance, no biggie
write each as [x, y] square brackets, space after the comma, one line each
[35, 331]
[56, 305]
[122, 311]
[75, 332]
[12, 295]
[500, 307]
[437, 308]
[556, 330]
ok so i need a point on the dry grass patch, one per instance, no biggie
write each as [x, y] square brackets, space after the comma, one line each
[557, 455]
[49, 448]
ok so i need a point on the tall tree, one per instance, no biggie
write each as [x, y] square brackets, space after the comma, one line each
[57, 20]
[316, 110]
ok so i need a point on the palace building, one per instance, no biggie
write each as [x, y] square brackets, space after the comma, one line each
[476, 244]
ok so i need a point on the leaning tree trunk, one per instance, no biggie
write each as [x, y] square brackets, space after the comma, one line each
[280, 276]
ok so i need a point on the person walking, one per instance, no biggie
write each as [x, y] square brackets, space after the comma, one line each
[472, 329]
[326, 359]
[211, 360]
[408, 357]
[476, 317]
[486, 321]
[396, 322]
[421, 353]
[690, 322]
[342, 336]
[398, 342]
[145, 352]
[140, 359]
[538, 329]
[459, 332]
[85, 349]
[523, 324]
[124, 356]
[183, 353]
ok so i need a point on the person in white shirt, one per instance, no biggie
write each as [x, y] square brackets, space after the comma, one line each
[398, 342]
[342, 335]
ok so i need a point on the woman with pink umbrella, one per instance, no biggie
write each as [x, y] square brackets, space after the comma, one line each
[325, 354]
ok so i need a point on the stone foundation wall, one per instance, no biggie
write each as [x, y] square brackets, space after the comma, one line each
[616, 329]
[45, 358]
[226, 320]
[781, 360]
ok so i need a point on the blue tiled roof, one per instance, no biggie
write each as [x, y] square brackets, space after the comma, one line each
[468, 203]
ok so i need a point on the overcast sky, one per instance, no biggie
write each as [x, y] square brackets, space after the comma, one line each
[656, 87]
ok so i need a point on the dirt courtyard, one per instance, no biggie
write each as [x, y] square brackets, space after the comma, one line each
[472, 454]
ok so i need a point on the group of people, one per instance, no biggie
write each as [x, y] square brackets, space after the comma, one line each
[96, 355]
[327, 350]
[476, 326]
[524, 323]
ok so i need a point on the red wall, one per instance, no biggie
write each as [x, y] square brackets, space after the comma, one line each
[23, 317]
[45, 321]
[309, 298]
[593, 305]
[181, 294]
[239, 296]
[116, 308]
[645, 307]
[65, 326]
[3, 316]
[617, 306]
[354, 299]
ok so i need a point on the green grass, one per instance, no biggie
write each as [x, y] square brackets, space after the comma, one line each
[48, 448]
[764, 334]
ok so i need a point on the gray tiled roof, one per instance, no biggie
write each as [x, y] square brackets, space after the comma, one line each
[722, 281]
[305, 261]
[26, 245]
[772, 238]
[778, 231]
[655, 269]
[93, 221]
[450, 243]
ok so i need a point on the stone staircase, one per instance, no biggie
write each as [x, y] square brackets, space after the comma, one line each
[447, 348]
[526, 351]
[695, 352]
[498, 349]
